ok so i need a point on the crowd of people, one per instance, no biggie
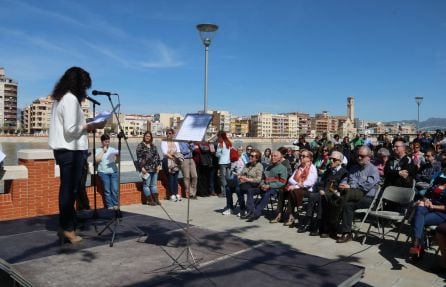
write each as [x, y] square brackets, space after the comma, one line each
[335, 176]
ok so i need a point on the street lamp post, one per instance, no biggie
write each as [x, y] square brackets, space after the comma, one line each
[207, 32]
[418, 100]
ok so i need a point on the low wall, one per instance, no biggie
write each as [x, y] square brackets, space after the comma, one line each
[32, 187]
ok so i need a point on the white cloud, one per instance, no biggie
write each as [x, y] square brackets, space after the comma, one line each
[166, 57]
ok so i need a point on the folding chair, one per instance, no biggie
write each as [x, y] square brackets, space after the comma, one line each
[403, 196]
[366, 211]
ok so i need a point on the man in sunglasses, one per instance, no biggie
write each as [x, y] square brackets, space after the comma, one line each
[357, 192]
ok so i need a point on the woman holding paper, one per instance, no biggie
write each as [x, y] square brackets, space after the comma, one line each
[106, 157]
[149, 162]
[171, 164]
[69, 141]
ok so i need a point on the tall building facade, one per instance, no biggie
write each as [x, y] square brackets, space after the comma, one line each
[8, 102]
[37, 116]
[221, 120]
[240, 126]
[274, 125]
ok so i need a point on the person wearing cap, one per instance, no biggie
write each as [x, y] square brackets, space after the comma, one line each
[322, 197]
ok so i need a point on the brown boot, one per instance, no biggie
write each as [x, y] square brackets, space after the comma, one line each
[69, 235]
[150, 201]
[155, 199]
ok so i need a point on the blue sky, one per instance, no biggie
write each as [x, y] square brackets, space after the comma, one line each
[268, 56]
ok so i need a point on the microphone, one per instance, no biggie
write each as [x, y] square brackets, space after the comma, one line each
[93, 101]
[99, 93]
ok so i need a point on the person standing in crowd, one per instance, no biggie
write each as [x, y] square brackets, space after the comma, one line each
[149, 162]
[203, 161]
[189, 169]
[266, 157]
[171, 164]
[106, 157]
[69, 141]
[224, 162]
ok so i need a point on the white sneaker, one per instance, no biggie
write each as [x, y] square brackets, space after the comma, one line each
[227, 211]
[173, 198]
[179, 197]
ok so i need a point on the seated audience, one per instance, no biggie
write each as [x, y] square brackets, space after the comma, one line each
[249, 178]
[299, 184]
[441, 240]
[382, 156]
[417, 155]
[322, 161]
[274, 178]
[400, 169]
[357, 192]
[327, 187]
[430, 210]
[429, 168]
[233, 183]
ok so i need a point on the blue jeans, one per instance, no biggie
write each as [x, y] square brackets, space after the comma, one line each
[149, 185]
[225, 173]
[234, 187]
[257, 210]
[424, 217]
[172, 179]
[70, 164]
[110, 186]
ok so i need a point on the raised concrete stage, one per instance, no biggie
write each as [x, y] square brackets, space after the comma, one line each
[31, 248]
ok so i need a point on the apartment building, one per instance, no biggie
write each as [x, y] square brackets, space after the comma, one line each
[221, 120]
[274, 125]
[37, 116]
[8, 102]
[240, 126]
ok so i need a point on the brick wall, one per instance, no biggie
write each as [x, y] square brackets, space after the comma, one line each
[38, 194]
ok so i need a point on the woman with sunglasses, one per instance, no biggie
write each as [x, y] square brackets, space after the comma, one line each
[300, 184]
[323, 159]
[249, 177]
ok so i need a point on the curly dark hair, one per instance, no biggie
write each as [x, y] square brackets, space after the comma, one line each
[75, 80]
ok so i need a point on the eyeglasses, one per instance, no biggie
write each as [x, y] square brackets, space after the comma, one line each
[252, 155]
[248, 149]
[334, 159]
[362, 155]
[303, 155]
[325, 150]
[397, 146]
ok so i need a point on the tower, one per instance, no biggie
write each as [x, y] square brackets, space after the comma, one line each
[8, 102]
[351, 108]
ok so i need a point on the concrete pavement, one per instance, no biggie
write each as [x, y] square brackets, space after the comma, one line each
[386, 264]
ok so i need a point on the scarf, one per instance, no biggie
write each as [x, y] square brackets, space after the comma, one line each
[302, 173]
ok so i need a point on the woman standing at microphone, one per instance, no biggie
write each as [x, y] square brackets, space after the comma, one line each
[69, 140]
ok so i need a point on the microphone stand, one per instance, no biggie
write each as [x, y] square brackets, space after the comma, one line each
[93, 176]
[116, 220]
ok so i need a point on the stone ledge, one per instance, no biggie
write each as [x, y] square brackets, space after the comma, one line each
[33, 154]
[14, 172]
